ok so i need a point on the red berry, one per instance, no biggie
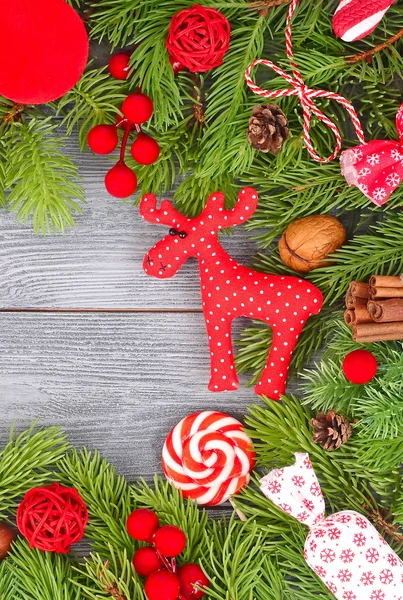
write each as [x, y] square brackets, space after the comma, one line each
[137, 108]
[121, 181]
[119, 65]
[146, 561]
[360, 366]
[170, 541]
[142, 523]
[103, 139]
[189, 576]
[145, 150]
[162, 585]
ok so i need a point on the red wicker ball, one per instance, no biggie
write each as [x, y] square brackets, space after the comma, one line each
[52, 518]
[198, 38]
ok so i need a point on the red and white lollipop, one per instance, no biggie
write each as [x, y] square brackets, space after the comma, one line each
[208, 456]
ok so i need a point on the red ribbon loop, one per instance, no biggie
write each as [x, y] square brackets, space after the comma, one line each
[305, 95]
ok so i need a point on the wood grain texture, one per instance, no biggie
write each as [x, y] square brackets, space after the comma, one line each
[117, 382]
[99, 263]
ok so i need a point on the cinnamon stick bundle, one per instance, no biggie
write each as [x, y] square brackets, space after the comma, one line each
[366, 333]
[386, 311]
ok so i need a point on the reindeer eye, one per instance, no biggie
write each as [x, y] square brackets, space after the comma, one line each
[173, 231]
[182, 234]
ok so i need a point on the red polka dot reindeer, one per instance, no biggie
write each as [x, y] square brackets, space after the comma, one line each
[230, 290]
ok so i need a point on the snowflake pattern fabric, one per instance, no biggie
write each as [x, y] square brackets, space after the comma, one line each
[345, 550]
[376, 168]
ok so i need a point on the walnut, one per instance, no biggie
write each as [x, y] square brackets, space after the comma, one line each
[306, 242]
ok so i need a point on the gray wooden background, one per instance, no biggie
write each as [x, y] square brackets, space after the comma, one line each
[89, 342]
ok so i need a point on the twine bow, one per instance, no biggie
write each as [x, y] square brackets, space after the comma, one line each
[305, 95]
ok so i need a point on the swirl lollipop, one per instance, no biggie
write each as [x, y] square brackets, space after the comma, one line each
[208, 456]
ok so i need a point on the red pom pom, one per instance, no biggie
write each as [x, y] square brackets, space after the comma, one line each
[103, 139]
[43, 50]
[142, 524]
[121, 181]
[146, 561]
[170, 541]
[198, 38]
[189, 576]
[52, 518]
[137, 108]
[162, 585]
[119, 65]
[145, 150]
[360, 366]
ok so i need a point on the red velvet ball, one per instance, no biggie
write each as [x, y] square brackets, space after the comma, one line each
[170, 541]
[142, 524]
[162, 585]
[119, 65]
[146, 561]
[189, 576]
[52, 518]
[103, 139]
[137, 108]
[121, 181]
[145, 150]
[43, 50]
[198, 38]
[360, 366]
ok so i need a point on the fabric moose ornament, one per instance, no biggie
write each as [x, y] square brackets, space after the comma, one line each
[376, 168]
[345, 550]
[230, 290]
[355, 19]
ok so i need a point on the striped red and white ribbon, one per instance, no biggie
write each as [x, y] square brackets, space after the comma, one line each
[305, 95]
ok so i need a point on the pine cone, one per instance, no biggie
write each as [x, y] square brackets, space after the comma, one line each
[331, 430]
[268, 128]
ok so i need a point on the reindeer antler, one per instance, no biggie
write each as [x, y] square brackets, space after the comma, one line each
[165, 215]
[243, 209]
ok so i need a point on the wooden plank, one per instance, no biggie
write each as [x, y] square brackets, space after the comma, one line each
[98, 264]
[112, 381]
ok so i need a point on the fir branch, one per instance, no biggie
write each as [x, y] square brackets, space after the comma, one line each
[114, 579]
[29, 574]
[27, 461]
[41, 179]
[95, 99]
[107, 496]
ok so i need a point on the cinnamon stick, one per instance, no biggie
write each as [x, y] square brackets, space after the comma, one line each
[359, 288]
[386, 311]
[386, 281]
[349, 317]
[386, 292]
[357, 316]
[367, 333]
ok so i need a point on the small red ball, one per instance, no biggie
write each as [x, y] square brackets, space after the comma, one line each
[162, 585]
[360, 366]
[103, 139]
[119, 65]
[142, 524]
[137, 108]
[170, 541]
[121, 181]
[145, 150]
[146, 561]
[189, 576]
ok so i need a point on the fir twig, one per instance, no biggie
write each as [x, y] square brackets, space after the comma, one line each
[368, 54]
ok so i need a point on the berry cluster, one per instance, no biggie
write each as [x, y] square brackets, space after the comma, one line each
[121, 181]
[157, 562]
